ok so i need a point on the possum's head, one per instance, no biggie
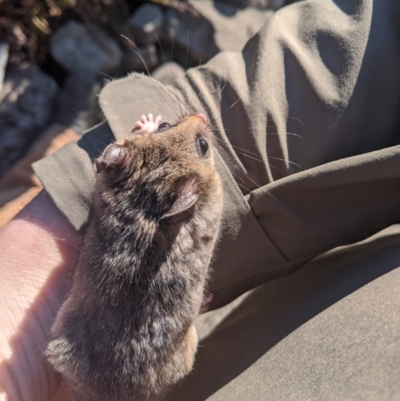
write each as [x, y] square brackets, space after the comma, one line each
[163, 175]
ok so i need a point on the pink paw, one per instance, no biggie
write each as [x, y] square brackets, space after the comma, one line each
[205, 305]
[147, 125]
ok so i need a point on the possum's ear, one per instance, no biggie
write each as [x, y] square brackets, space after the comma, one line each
[187, 195]
[114, 156]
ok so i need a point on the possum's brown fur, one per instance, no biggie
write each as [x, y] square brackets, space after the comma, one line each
[125, 331]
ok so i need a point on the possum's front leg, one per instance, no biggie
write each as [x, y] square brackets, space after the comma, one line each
[180, 363]
[147, 125]
[190, 346]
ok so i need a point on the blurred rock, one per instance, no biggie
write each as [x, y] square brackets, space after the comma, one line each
[164, 52]
[218, 27]
[276, 4]
[260, 4]
[141, 59]
[52, 67]
[84, 50]
[27, 104]
[147, 23]
[78, 107]
[3, 62]
[192, 34]
[167, 73]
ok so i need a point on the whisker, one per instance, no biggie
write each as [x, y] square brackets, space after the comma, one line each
[179, 105]
[102, 73]
[272, 196]
[260, 161]
[288, 133]
[243, 186]
[172, 104]
[138, 53]
[271, 157]
[286, 161]
[249, 191]
[176, 106]
[298, 119]
[250, 157]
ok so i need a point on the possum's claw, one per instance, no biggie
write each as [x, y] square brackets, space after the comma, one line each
[147, 125]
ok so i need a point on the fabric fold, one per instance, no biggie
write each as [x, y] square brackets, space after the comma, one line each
[334, 204]
[68, 175]
[305, 122]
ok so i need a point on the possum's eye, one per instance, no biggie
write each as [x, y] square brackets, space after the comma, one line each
[163, 127]
[203, 145]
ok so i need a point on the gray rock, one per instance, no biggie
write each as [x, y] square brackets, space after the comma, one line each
[260, 4]
[140, 59]
[27, 104]
[191, 34]
[218, 27]
[276, 4]
[168, 72]
[84, 50]
[78, 105]
[147, 23]
[3, 62]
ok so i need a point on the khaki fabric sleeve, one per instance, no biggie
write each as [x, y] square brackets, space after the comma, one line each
[329, 331]
[305, 119]
[68, 175]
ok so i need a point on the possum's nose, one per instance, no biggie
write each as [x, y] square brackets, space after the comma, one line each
[203, 117]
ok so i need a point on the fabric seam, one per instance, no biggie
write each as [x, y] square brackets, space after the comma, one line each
[304, 259]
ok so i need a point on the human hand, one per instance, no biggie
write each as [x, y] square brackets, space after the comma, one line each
[37, 249]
